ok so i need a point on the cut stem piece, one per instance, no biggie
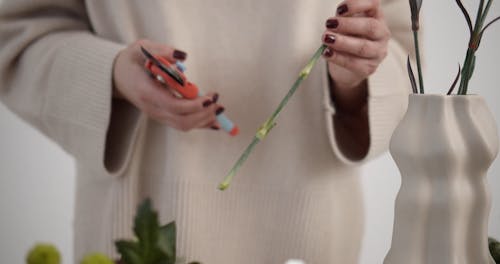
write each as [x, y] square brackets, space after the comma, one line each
[270, 123]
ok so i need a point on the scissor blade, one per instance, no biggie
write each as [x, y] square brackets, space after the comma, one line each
[162, 67]
[153, 59]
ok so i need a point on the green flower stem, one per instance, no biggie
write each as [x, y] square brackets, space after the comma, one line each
[466, 72]
[475, 39]
[225, 184]
[419, 63]
[270, 123]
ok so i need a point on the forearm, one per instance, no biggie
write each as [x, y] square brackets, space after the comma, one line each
[350, 120]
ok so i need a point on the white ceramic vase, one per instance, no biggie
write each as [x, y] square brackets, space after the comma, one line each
[443, 148]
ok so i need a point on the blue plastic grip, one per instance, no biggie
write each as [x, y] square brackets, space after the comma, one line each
[226, 124]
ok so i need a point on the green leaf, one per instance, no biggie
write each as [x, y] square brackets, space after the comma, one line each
[466, 15]
[455, 82]
[413, 82]
[167, 240]
[146, 229]
[155, 244]
[129, 251]
[489, 24]
[494, 247]
[485, 12]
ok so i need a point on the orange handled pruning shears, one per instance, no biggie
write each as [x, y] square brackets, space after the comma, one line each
[166, 73]
[173, 77]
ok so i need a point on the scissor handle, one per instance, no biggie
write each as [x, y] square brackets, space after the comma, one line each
[174, 79]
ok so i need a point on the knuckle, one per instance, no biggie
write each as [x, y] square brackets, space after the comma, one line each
[339, 60]
[375, 3]
[363, 49]
[212, 119]
[371, 28]
[370, 69]
[349, 62]
[184, 126]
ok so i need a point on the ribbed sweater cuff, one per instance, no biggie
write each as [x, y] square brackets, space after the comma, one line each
[388, 90]
[79, 98]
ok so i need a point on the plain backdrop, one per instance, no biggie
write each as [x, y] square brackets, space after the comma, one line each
[37, 177]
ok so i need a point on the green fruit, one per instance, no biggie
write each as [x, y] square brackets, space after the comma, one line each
[43, 254]
[96, 258]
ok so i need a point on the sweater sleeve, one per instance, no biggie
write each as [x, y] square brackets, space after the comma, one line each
[388, 87]
[57, 75]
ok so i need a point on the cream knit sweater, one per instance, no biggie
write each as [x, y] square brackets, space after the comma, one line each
[296, 197]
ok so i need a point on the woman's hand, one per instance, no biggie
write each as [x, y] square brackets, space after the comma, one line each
[131, 82]
[357, 39]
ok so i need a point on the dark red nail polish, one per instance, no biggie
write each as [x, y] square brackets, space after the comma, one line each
[332, 23]
[207, 103]
[330, 39]
[215, 127]
[342, 9]
[180, 55]
[215, 98]
[328, 52]
[219, 110]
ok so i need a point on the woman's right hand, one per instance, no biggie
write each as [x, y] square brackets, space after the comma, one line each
[132, 83]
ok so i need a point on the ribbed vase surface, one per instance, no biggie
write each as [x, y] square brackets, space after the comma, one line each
[443, 148]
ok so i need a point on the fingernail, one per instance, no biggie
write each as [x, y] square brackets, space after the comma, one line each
[215, 127]
[180, 55]
[207, 103]
[215, 98]
[342, 9]
[219, 110]
[330, 39]
[328, 52]
[332, 23]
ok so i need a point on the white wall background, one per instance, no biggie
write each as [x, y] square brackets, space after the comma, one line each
[37, 178]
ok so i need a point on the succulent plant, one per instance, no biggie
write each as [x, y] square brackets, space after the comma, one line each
[96, 258]
[155, 244]
[43, 254]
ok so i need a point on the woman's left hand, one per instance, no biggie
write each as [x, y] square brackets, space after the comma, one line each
[357, 39]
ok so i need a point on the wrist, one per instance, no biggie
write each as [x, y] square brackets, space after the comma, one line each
[115, 92]
[349, 100]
